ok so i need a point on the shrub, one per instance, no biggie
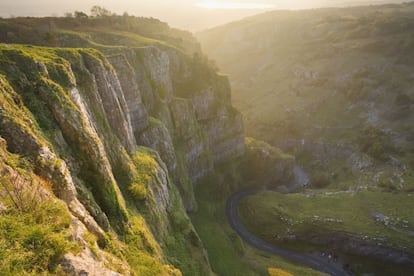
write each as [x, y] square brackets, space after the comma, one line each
[375, 143]
[319, 180]
[138, 191]
[146, 167]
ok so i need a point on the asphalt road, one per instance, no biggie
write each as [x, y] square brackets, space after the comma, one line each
[312, 261]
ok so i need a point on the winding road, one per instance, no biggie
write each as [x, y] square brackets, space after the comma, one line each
[309, 260]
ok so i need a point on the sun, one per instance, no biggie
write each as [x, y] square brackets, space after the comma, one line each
[216, 5]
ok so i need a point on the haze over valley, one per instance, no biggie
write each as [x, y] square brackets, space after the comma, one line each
[276, 139]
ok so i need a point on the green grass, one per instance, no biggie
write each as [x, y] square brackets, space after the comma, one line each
[183, 247]
[31, 245]
[146, 167]
[34, 226]
[268, 213]
[34, 230]
[142, 251]
[228, 254]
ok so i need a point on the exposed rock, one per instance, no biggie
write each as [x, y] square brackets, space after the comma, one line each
[79, 130]
[359, 161]
[266, 165]
[226, 134]
[97, 112]
[358, 246]
[86, 263]
[2, 207]
[157, 137]
[205, 104]
[42, 68]
[25, 142]
[190, 139]
[112, 98]
[157, 64]
[128, 79]
[160, 186]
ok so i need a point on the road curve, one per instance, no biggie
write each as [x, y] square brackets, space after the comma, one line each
[238, 227]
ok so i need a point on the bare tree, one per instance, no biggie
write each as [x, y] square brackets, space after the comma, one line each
[22, 196]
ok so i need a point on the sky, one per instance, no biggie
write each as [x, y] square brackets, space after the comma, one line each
[192, 15]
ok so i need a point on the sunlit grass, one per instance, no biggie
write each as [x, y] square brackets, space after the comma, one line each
[268, 213]
[228, 254]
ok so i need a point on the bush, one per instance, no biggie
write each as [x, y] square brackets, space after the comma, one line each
[138, 191]
[319, 180]
[374, 142]
[146, 167]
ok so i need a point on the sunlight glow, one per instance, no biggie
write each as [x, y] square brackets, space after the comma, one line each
[215, 5]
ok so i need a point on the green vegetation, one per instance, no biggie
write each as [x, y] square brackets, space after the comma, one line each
[142, 251]
[331, 87]
[271, 214]
[43, 78]
[183, 247]
[106, 31]
[266, 165]
[146, 167]
[375, 143]
[319, 180]
[34, 228]
[227, 253]
[44, 89]
[33, 242]
[323, 75]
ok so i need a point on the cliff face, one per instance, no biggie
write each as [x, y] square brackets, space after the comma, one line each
[82, 117]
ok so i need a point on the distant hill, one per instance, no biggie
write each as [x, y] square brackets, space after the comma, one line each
[81, 30]
[335, 88]
[336, 81]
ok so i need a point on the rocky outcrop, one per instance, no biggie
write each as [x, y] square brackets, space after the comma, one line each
[266, 165]
[89, 261]
[38, 150]
[193, 125]
[111, 96]
[156, 136]
[131, 91]
[361, 246]
[191, 139]
[80, 117]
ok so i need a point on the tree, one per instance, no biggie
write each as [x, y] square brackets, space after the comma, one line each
[99, 11]
[79, 14]
[51, 38]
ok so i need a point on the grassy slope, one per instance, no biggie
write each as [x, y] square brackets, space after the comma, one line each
[269, 213]
[228, 254]
[102, 33]
[34, 228]
[275, 217]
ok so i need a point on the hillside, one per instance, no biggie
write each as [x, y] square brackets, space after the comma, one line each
[333, 82]
[334, 88]
[103, 135]
[119, 146]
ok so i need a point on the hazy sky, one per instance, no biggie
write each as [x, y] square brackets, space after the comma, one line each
[186, 14]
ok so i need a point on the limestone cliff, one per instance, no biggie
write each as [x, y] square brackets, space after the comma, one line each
[85, 120]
